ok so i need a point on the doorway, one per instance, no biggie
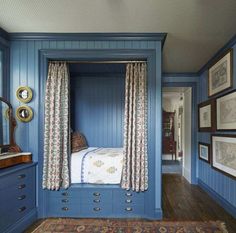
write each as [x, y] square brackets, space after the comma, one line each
[176, 131]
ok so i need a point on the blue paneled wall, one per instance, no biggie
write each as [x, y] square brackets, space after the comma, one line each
[97, 109]
[218, 183]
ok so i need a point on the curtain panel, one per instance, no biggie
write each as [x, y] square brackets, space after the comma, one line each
[56, 129]
[135, 166]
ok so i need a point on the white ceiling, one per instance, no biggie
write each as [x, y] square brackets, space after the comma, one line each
[196, 28]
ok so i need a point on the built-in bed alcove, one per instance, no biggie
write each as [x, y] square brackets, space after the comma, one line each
[97, 110]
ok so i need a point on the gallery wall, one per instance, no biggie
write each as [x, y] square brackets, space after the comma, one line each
[221, 186]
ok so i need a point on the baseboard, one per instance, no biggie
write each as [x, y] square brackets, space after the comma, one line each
[187, 174]
[23, 223]
[158, 214]
[219, 199]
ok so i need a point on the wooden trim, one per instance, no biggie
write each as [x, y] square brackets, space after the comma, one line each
[226, 136]
[211, 102]
[8, 162]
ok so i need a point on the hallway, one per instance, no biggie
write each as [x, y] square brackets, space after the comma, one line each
[182, 201]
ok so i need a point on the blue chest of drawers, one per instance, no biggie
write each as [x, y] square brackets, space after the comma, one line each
[17, 195]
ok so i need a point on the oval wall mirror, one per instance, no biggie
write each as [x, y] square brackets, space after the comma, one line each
[24, 113]
[24, 94]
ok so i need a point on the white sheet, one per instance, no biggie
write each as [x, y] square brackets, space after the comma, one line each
[97, 166]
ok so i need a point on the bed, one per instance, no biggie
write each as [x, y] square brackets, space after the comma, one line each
[96, 165]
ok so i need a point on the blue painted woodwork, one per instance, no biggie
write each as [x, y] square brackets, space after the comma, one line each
[18, 196]
[213, 180]
[153, 56]
[98, 107]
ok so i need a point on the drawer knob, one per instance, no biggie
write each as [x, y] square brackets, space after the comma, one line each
[96, 200]
[64, 200]
[96, 208]
[22, 209]
[21, 186]
[128, 201]
[21, 176]
[65, 194]
[128, 209]
[65, 208]
[128, 194]
[21, 197]
[97, 194]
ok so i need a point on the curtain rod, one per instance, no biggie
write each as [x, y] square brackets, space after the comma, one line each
[101, 62]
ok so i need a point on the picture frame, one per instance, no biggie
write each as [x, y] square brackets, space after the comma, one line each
[24, 113]
[226, 111]
[223, 153]
[220, 74]
[24, 94]
[204, 151]
[207, 116]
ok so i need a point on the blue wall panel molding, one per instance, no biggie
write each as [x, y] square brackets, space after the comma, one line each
[228, 45]
[218, 198]
[217, 182]
[91, 36]
[4, 38]
[113, 50]
[98, 109]
[180, 75]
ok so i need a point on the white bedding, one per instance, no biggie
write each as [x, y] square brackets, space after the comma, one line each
[97, 166]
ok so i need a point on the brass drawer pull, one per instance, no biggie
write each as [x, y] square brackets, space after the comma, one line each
[22, 209]
[21, 186]
[65, 194]
[21, 197]
[128, 209]
[96, 208]
[64, 200]
[21, 176]
[97, 194]
[65, 208]
[96, 200]
[128, 194]
[128, 201]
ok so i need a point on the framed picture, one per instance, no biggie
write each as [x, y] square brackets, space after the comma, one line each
[204, 151]
[206, 116]
[224, 153]
[220, 75]
[226, 111]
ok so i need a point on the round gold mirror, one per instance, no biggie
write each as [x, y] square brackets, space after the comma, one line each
[24, 94]
[24, 113]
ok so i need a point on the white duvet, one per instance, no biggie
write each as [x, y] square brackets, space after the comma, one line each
[97, 166]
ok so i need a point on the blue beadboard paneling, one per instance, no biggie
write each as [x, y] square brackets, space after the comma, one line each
[223, 185]
[25, 69]
[97, 109]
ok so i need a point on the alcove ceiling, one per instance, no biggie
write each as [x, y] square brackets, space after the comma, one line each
[196, 28]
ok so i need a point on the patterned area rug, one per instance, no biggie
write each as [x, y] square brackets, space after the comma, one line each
[68, 225]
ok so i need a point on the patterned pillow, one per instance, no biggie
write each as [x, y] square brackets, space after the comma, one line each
[78, 142]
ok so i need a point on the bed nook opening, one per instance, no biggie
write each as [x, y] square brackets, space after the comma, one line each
[106, 101]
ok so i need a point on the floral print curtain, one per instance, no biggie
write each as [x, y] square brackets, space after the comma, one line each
[135, 166]
[56, 131]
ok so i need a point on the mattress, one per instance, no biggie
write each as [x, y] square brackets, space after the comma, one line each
[97, 165]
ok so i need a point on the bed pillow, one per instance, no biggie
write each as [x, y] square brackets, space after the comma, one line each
[78, 142]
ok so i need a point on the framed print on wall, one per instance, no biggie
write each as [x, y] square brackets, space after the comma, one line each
[220, 75]
[224, 153]
[204, 151]
[226, 111]
[206, 116]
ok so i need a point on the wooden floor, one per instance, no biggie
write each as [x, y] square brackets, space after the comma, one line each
[184, 202]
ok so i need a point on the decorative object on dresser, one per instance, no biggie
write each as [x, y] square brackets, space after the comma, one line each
[24, 113]
[220, 74]
[224, 153]
[206, 116]
[24, 94]
[204, 151]
[168, 137]
[226, 111]
[10, 152]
